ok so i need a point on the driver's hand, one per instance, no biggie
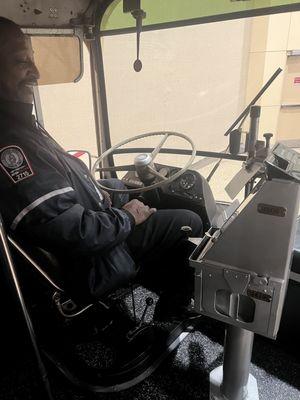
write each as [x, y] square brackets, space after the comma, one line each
[139, 211]
[107, 198]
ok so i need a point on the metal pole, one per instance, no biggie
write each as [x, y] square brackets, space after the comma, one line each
[237, 359]
[7, 258]
[253, 130]
[243, 115]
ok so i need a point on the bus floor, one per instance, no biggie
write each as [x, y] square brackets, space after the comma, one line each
[183, 375]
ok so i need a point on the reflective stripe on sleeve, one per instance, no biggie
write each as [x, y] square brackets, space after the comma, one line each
[36, 203]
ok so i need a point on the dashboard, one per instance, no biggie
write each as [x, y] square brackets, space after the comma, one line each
[190, 191]
[186, 185]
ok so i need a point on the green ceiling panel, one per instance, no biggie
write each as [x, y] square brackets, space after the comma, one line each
[172, 11]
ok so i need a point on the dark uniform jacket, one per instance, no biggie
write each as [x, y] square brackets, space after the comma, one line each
[49, 198]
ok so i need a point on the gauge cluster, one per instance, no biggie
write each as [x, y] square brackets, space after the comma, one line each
[187, 186]
[187, 181]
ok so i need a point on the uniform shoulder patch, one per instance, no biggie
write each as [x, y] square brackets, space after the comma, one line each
[14, 162]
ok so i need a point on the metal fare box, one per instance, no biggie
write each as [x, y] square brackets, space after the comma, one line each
[242, 269]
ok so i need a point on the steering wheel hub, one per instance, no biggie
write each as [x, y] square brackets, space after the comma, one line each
[142, 160]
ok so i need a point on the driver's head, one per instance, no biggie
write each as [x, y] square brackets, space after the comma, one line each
[18, 73]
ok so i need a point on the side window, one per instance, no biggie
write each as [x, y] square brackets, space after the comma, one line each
[67, 106]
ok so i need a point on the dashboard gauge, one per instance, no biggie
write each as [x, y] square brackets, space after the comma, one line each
[187, 181]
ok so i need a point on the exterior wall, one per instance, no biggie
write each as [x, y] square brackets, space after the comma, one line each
[271, 39]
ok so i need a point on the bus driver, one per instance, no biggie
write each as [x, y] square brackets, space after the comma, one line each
[49, 198]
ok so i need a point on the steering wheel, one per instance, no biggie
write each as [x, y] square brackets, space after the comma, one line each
[143, 163]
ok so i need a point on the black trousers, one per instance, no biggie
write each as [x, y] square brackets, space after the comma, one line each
[160, 249]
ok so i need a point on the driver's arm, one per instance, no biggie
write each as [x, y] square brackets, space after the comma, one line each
[46, 208]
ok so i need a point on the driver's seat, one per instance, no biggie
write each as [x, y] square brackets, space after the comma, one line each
[134, 348]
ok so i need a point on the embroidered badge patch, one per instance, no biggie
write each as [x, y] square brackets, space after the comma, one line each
[14, 162]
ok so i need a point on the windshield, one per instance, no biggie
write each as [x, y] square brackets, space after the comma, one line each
[197, 79]
[187, 85]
